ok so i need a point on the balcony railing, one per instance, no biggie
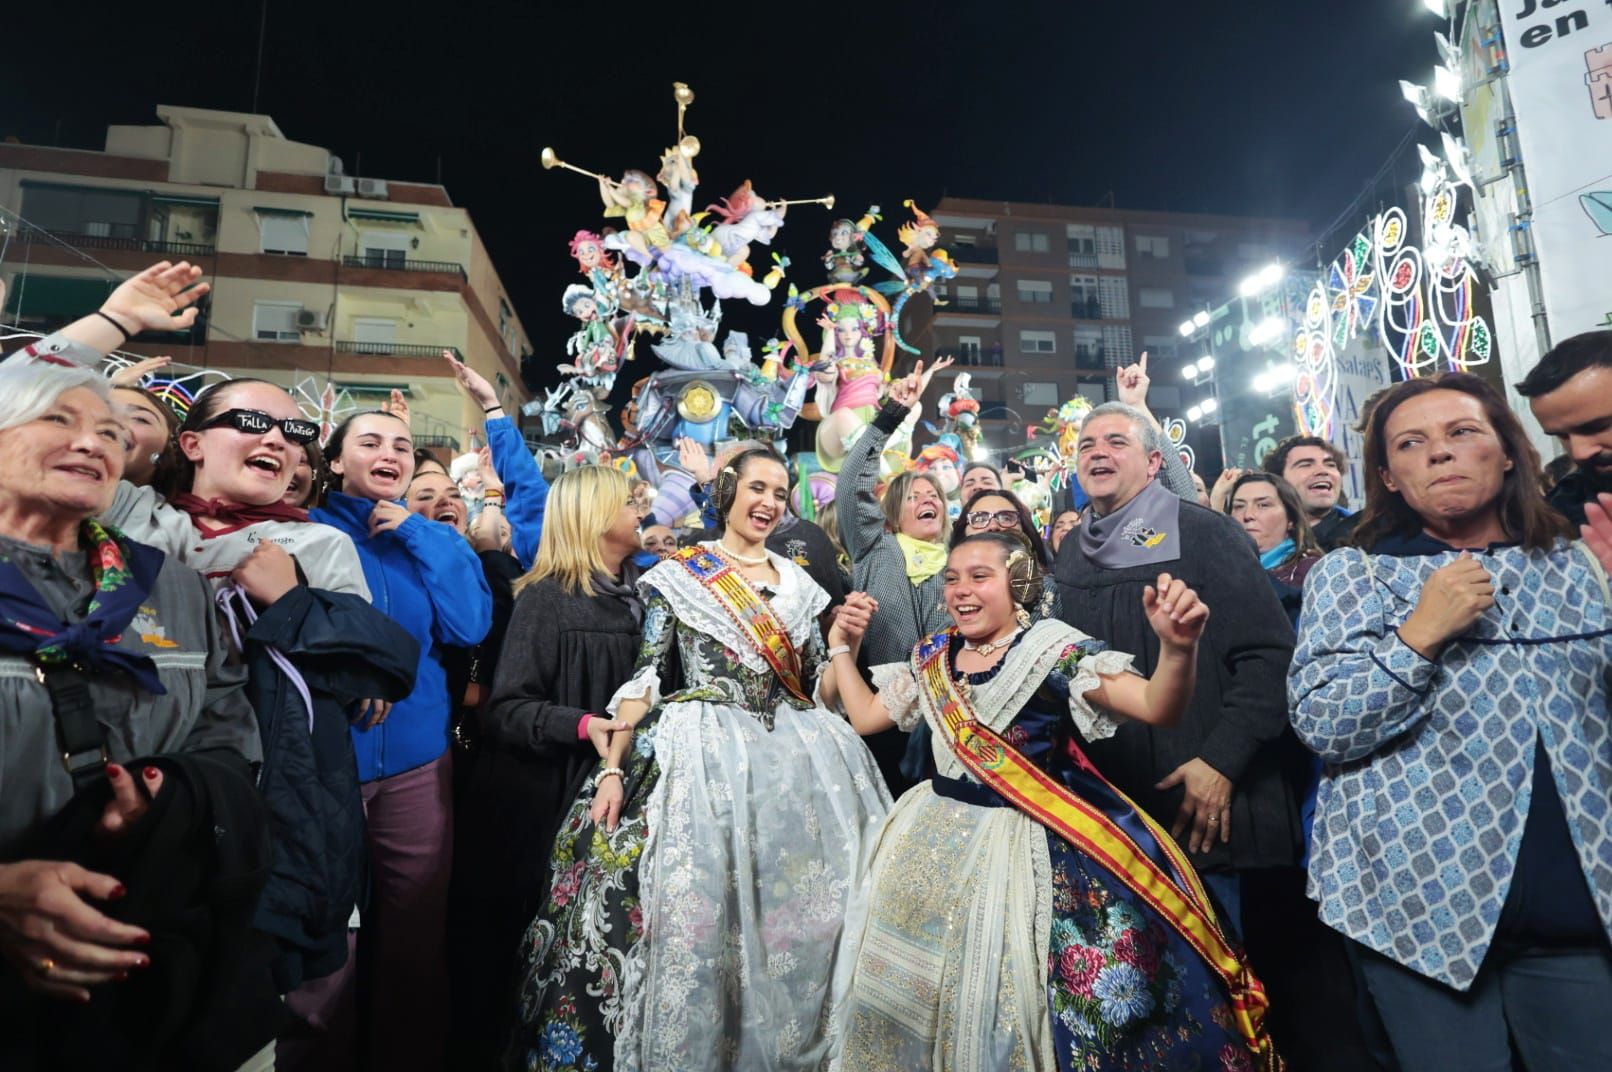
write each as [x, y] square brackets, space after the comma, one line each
[972, 305]
[132, 245]
[447, 441]
[1082, 260]
[401, 264]
[975, 254]
[393, 349]
[1086, 310]
[1090, 357]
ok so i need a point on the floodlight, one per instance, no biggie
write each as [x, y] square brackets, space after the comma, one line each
[1187, 327]
[1206, 363]
[1208, 405]
[1195, 413]
[1447, 83]
[1201, 318]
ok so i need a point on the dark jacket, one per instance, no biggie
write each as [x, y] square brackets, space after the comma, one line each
[425, 577]
[1571, 493]
[193, 866]
[344, 650]
[1334, 530]
[1239, 707]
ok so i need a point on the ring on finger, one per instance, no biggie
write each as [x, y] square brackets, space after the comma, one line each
[46, 965]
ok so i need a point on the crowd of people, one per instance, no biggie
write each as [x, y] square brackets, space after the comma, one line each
[329, 755]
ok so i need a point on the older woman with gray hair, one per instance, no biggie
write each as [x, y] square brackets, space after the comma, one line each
[132, 844]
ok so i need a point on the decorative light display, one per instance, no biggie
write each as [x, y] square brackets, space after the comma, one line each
[1416, 299]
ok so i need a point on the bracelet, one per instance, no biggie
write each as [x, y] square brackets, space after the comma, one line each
[492, 495]
[121, 329]
[839, 649]
[489, 409]
[607, 772]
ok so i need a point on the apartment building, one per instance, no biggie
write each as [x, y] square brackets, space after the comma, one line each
[1049, 299]
[317, 276]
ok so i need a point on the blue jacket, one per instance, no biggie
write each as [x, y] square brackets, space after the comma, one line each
[526, 493]
[425, 577]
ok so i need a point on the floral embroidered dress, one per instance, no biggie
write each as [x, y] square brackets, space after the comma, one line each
[704, 932]
[990, 943]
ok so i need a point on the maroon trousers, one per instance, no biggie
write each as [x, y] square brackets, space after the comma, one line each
[387, 1008]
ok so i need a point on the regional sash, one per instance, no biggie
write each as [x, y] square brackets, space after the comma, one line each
[1176, 895]
[744, 606]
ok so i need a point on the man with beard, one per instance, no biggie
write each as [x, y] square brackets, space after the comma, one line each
[1570, 392]
[1315, 467]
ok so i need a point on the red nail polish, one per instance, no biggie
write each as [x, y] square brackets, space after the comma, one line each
[151, 772]
[143, 962]
[118, 892]
[142, 939]
[113, 770]
[121, 977]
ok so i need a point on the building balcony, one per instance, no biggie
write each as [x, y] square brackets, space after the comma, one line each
[394, 349]
[984, 306]
[975, 254]
[438, 441]
[1086, 310]
[402, 264]
[117, 242]
[1083, 260]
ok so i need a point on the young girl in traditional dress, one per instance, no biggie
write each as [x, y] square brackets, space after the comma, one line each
[700, 886]
[1022, 912]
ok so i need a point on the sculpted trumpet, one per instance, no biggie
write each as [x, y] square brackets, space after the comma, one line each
[551, 161]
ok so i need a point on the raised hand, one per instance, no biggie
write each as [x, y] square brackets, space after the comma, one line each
[1222, 489]
[692, 457]
[397, 404]
[472, 382]
[131, 375]
[1453, 598]
[489, 474]
[1132, 382]
[161, 298]
[907, 390]
[1174, 611]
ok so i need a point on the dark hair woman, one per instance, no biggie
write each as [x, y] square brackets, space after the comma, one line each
[152, 426]
[1270, 511]
[1013, 855]
[750, 787]
[131, 834]
[427, 579]
[1455, 663]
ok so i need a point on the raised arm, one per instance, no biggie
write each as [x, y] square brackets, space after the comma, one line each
[856, 505]
[1178, 617]
[526, 491]
[842, 684]
[1131, 383]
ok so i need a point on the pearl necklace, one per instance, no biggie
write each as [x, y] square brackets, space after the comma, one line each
[762, 560]
[991, 647]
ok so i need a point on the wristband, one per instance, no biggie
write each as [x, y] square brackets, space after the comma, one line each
[489, 409]
[839, 649]
[121, 329]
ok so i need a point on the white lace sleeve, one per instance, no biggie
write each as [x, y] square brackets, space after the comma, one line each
[1093, 722]
[643, 685]
[900, 694]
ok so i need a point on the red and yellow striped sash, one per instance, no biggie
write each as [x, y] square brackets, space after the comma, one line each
[744, 606]
[1178, 898]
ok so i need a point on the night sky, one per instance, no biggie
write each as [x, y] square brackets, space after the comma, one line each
[1258, 107]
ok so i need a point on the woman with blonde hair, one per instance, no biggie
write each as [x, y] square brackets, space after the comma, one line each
[571, 642]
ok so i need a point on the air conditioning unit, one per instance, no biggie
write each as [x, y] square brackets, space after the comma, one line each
[339, 184]
[310, 320]
[372, 188]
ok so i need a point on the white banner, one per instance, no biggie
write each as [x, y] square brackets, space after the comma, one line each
[1561, 94]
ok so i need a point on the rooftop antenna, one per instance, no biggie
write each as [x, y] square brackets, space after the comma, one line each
[257, 69]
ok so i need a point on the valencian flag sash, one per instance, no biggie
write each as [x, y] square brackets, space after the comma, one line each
[1176, 894]
[742, 604]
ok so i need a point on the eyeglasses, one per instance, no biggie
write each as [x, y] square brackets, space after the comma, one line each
[1001, 519]
[256, 422]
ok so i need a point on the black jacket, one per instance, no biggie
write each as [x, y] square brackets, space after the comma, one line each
[1571, 493]
[1238, 711]
[193, 866]
[345, 650]
[1334, 530]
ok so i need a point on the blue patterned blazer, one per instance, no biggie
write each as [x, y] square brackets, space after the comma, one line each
[1429, 763]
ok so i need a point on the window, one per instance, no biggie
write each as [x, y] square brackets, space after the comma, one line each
[968, 349]
[1088, 347]
[1115, 299]
[1082, 245]
[506, 324]
[283, 231]
[1155, 298]
[1110, 247]
[374, 334]
[1031, 242]
[1035, 291]
[1038, 342]
[1157, 245]
[83, 210]
[384, 249]
[275, 321]
[1040, 394]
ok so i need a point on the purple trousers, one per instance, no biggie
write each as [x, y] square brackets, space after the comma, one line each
[387, 1008]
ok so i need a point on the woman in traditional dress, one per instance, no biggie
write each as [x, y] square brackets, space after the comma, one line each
[1022, 912]
[712, 941]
